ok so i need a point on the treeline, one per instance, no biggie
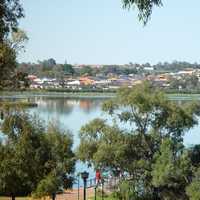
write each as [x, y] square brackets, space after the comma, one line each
[49, 68]
[175, 66]
[185, 84]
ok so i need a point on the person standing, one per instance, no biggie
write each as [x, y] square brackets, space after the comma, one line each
[98, 177]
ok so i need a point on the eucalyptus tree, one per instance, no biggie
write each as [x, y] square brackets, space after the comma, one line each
[8, 64]
[193, 190]
[34, 160]
[10, 13]
[18, 40]
[134, 143]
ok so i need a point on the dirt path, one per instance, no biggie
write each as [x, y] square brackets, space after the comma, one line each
[73, 194]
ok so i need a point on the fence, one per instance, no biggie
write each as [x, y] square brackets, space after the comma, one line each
[108, 185]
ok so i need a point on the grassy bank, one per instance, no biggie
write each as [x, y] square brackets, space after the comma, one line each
[32, 93]
[81, 94]
[17, 104]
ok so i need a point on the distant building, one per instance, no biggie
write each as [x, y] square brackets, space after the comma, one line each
[187, 72]
[148, 68]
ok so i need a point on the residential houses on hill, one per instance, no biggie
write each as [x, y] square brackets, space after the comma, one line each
[111, 81]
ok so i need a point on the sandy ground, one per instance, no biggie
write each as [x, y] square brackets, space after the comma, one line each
[73, 194]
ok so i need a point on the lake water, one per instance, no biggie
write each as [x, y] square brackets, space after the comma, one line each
[72, 113]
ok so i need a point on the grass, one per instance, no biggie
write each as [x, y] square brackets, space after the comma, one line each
[86, 94]
[24, 198]
[79, 94]
[105, 198]
[29, 198]
[17, 198]
[22, 104]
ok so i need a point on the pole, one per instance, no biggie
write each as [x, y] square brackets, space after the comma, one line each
[84, 191]
[95, 193]
[78, 189]
[84, 176]
[102, 195]
[53, 196]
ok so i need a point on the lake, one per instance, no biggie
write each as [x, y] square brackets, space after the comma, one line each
[72, 113]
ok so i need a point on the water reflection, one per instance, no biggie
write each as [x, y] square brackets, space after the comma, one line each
[64, 105]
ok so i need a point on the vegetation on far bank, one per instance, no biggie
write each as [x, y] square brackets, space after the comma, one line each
[17, 104]
[88, 94]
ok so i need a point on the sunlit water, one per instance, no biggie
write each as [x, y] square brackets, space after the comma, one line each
[72, 114]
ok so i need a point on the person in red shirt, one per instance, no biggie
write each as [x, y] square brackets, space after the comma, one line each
[98, 177]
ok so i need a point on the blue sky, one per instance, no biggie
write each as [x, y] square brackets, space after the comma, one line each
[101, 32]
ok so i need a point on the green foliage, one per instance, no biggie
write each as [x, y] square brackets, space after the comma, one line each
[171, 170]
[34, 160]
[10, 78]
[86, 70]
[144, 7]
[144, 142]
[126, 191]
[186, 83]
[193, 190]
[47, 65]
[7, 65]
[68, 69]
[18, 40]
[48, 185]
[10, 12]
[195, 155]
[20, 80]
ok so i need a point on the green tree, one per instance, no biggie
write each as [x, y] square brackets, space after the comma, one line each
[12, 39]
[125, 191]
[34, 160]
[193, 190]
[68, 69]
[18, 40]
[86, 70]
[10, 179]
[171, 171]
[10, 12]
[20, 80]
[7, 65]
[142, 118]
[195, 155]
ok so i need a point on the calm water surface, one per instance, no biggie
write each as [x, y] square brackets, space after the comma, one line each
[73, 113]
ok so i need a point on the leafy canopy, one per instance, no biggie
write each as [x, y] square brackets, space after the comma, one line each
[7, 64]
[10, 12]
[143, 139]
[193, 190]
[33, 159]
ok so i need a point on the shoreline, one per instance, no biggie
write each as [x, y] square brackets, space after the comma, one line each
[29, 94]
[83, 95]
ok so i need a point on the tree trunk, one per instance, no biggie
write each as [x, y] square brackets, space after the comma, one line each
[13, 197]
